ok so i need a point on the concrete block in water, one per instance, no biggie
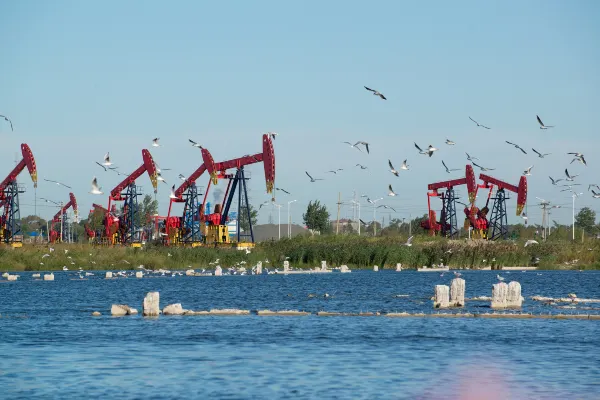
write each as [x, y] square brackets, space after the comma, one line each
[12, 277]
[118, 310]
[398, 267]
[218, 270]
[457, 292]
[139, 274]
[499, 294]
[109, 275]
[513, 296]
[151, 306]
[173, 309]
[259, 268]
[323, 265]
[49, 277]
[5, 275]
[96, 314]
[375, 268]
[36, 276]
[286, 266]
[344, 269]
[190, 272]
[442, 296]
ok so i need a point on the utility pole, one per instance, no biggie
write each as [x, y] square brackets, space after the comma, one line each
[410, 225]
[339, 203]
[62, 217]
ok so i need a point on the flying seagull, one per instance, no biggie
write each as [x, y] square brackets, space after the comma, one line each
[353, 145]
[263, 204]
[107, 160]
[570, 178]
[591, 185]
[181, 177]
[386, 207]
[530, 242]
[364, 144]
[361, 166]
[409, 241]
[450, 142]
[516, 146]
[429, 151]
[283, 190]
[376, 93]
[392, 170]
[540, 155]
[155, 142]
[95, 188]
[404, 165]
[595, 195]
[58, 183]
[172, 195]
[9, 121]
[391, 193]
[471, 158]
[527, 172]
[311, 178]
[478, 124]
[542, 126]
[272, 135]
[449, 170]
[554, 181]
[332, 171]
[159, 177]
[101, 166]
[580, 159]
[194, 144]
[483, 168]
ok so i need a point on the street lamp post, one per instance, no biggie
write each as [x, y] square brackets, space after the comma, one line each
[359, 223]
[279, 218]
[289, 224]
[374, 202]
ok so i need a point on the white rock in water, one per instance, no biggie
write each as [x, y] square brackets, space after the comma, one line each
[442, 296]
[375, 268]
[109, 275]
[190, 272]
[218, 270]
[151, 306]
[323, 265]
[286, 265]
[48, 277]
[173, 309]
[513, 297]
[499, 293]
[457, 292]
[118, 310]
[5, 275]
[259, 268]
[398, 267]
[36, 276]
[139, 274]
[344, 268]
[12, 277]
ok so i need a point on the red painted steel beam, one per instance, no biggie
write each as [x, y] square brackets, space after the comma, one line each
[27, 161]
[497, 182]
[147, 166]
[72, 203]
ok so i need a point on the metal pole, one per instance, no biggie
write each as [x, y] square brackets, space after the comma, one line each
[573, 216]
[62, 215]
[410, 226]
[337, 223]
[288, 221]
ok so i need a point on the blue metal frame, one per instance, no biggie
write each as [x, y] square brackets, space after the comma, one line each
[448, 215]
[191, 217]
[498, 223]
[243, 204]
[13, 220]
[130, 211]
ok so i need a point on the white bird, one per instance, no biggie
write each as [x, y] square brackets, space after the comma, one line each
[449, 170]
[540, 155]
[570, 178]
[172, 195]
[530, 242]
[554, 181]
[107, 160]
[478, 124]
[580, 159]
[65, 268]
[516, 146]
[95, 188]
[376, 93]
[353, 146]
[311, 178]
[159, 177]
[391, 193]
[392, 169]
[364, 144]
[45, 255]
[263, 204]
[471, 158]
[483, 168]
[58, 183]
[155, 142]
[361, 166]
[429, 151]
[450, 142]
[595, 195]
[457, 274]
[542, 126]
[524, 216]
[194, 144]
[182, 177]
[527, 172]
[500, 278]
[272, 135]
[409, 241]
[9, 121]
[404, 166]
[387, 207]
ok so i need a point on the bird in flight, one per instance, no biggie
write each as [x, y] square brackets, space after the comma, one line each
[194, 144]
[332, 171]
[263, 204]
[181, 177]
[272, 135]
[160, 170]
[483, 168]
[595, 195]
[578, 157]
[361, 166]
[530, 242]
[391, 193]
[554, 181]
[107, 162]
[542, 126]
[570, 178]
[429, 151]
[353, 145]
[159, 177]
[392, 170]
[478, 124]
[9, 121]
[540, 155]
[95, 188]
[404, 165]
[409, 241]
[591, 185]
[311, 178]
[283, 190]
[376, 93]
[172, 195]
[155, 142]
[386, 207]
[471, 158]
[516, 146]
[449, 170]
[58, 183]
[450, 142]
[527, 172]
[364, 144]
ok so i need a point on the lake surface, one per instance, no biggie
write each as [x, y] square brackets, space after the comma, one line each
[50, 346]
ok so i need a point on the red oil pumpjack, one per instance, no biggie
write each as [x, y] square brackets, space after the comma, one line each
[124, 229]
[60, 217]
[10, 218]
[448, 222]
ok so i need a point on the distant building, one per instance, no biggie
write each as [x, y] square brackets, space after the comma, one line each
[344, 224]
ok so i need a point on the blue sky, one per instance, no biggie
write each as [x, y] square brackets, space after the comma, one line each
[79, 79]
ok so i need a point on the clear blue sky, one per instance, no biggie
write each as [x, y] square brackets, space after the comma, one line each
[82, 78]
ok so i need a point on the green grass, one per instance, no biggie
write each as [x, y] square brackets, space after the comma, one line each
[307, 252]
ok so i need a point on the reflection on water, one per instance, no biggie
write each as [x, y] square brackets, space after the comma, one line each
[51, 347]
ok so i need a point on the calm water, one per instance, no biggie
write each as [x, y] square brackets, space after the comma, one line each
[51, 347]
